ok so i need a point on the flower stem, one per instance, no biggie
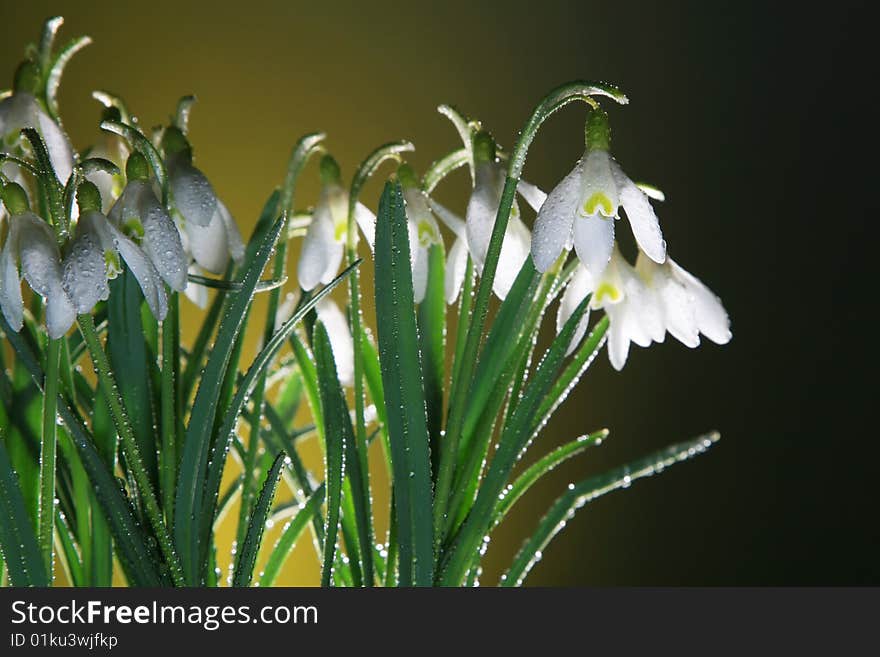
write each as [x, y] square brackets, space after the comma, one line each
[169, 401]
[129, 445]
[553, 101]
[48, 447]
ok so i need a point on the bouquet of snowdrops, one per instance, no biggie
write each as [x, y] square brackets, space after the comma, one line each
[116, 438]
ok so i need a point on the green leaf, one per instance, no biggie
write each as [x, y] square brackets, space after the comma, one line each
[541, 467]
[198, 439]
[591, 488]
[290, 535]
[244, 568]
[135, 551]
[220, 446]
[338, 430]
[404, 394]
[132, 363]
[21, 552]
[514, 439]
[432, 345]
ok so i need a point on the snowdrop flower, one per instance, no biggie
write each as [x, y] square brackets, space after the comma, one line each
[96, 254]
[209, 234]
[583, 208]
[482, 209]
[689, 308]
[456, 259]
[23, 110]
[324, 243]
[643, 303]
[632, 309]
[140, 216]
[423, 229]
[31, 252]
[336, 323]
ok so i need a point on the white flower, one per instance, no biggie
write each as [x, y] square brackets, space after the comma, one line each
[94, 255]
[689, 307]
[475, 233]
[22, 110]
[31, 252]
[140, 215]
[110, 147]
[584, 205]
[423, 230]
[643, 303]
[324, 243]
[208, 232]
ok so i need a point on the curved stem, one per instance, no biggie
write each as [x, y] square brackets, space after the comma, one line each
[552, 102]
[129, 445]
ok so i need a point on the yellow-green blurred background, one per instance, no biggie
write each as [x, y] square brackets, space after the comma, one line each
[748, 118]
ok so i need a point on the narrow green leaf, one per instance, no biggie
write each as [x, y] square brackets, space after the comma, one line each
[198, 439]
[514, 439]
[404, 394]
[290, 535]
[432, 345]
[21, 552]
[245, 566]
[541, 467]
[337, 432]
[337, 422]
[591, 488]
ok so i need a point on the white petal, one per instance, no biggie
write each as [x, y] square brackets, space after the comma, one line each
[60, 313]
[514, 252]
[532, 194]
[712, 319]
[580, 285]
[161, 240]
[145, 273]
[482, 209]
[38, 251]
[618, 340]
[209, 245]
[594, 242]
[194, 196]
[11, 301]
[319, 249]
[598, 192]
[59, 147]
[198, 294]
[676, 303]
[84, 271]
[341, 342]
[643, 221]
[419, 259]
[366, 220]
[553, 225]
[456, 266]
[234, 244]
[453, 221]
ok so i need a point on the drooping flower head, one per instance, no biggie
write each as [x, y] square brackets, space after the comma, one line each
[643, 303]
[423, 229]
[584, 206]
[22, 110]
[30, 252]
[209, 234]
[324, 243]
[97, 253]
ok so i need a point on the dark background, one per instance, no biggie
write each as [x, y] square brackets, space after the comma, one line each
[756, 122]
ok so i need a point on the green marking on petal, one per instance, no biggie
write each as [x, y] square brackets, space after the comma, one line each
[340, 229]
[592, 204]
[112, 264]
[134, 229]
[426, 233]
[607, 291]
